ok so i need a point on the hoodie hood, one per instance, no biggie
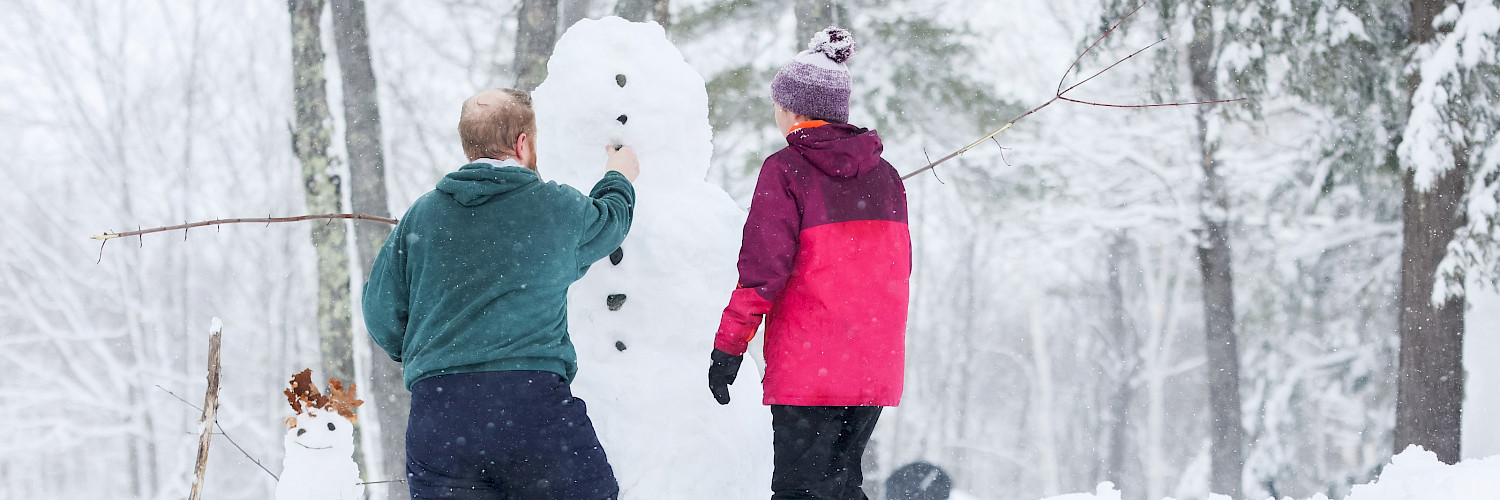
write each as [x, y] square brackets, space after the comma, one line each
[477, 183]
[838, 149]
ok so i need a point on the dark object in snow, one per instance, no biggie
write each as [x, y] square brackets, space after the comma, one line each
[620, 80]
[918, 481]
[622, 119]
[620, 345]
[615, 301]
[834, 42]
[722, 370]
[617, 256]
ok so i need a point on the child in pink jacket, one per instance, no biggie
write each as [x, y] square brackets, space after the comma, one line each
[826, 261]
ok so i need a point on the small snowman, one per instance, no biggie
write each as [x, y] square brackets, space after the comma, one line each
[319, 442]
[643, 321]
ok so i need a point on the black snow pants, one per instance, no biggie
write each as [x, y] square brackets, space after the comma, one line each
[818, 451]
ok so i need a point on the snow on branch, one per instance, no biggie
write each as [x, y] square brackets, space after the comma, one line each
[1061, 94]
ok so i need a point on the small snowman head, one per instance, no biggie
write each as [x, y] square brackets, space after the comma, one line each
[324, 424]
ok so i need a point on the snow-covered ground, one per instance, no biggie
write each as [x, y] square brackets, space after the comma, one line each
[1414, 474]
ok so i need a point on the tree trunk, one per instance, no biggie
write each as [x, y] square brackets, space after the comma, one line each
[643, 10]
[574, 11]
[362, 139]
[662, 11]
[635, 10]
[1127, 348]
[812, 17]
[536, 35]
[310, 143]
[1215, 264]
[1430, 380]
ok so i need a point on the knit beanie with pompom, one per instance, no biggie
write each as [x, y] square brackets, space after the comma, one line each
[816, 82]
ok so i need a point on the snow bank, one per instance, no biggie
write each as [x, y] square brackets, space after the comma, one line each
[1414, 474]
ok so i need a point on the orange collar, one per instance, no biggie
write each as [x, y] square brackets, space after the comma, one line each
[807, 124]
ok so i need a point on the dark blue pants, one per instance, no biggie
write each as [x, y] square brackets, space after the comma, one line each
[503, 435]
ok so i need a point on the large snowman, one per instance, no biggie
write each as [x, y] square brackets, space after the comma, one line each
[643, 320]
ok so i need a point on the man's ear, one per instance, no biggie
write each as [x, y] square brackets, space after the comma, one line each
[522, 148]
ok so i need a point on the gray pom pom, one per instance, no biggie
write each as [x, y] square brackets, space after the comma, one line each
[834, 42]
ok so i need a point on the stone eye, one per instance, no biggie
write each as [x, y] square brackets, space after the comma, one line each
[301, 432]
[622, 119]
[620, 80]
[330, 426]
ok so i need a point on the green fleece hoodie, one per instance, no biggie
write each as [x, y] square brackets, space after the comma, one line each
[476, 275]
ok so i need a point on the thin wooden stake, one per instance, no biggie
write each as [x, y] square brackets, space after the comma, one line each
[210, 408]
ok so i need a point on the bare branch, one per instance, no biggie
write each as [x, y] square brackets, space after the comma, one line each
[267, 220]
[1061, 95]
[1155, 105]
[224, 433]
[1112, 66]
[1091, 46]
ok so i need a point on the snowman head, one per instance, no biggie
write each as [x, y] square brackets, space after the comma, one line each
[319, 432]
[614, 82]
[323, 424]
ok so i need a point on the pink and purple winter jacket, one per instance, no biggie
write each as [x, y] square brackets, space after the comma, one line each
[827, 258]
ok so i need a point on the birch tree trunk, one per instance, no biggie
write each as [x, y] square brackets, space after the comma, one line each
[1214, 261]
[310, 143]
[1430, 380]
[367, 170]
[536, 35]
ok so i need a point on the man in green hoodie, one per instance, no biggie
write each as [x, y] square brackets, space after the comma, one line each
[469, 293]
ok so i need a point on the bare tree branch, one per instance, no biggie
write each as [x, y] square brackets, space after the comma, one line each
[1061, 95]
[264, 220]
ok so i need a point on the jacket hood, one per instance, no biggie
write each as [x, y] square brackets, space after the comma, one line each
[477, 183]
[838, 149]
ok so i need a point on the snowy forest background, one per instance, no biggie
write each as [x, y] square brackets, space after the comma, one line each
[1057, 327]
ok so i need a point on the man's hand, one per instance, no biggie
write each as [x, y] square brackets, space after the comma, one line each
[722, 373]
[622, 160]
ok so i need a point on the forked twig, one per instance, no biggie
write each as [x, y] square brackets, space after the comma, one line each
[1061, 95]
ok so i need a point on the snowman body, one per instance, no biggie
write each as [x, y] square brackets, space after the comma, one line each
[319, 463]
[643, 321]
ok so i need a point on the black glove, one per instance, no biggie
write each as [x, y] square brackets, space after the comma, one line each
[721, 373]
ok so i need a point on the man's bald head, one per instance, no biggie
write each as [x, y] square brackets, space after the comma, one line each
[492, 121]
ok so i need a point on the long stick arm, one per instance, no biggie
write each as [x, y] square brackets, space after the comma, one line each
[1062, 94]
[259, 220]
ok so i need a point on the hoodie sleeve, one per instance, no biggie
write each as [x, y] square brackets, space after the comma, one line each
[386, 298]
[766, 254]
[606, 219]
